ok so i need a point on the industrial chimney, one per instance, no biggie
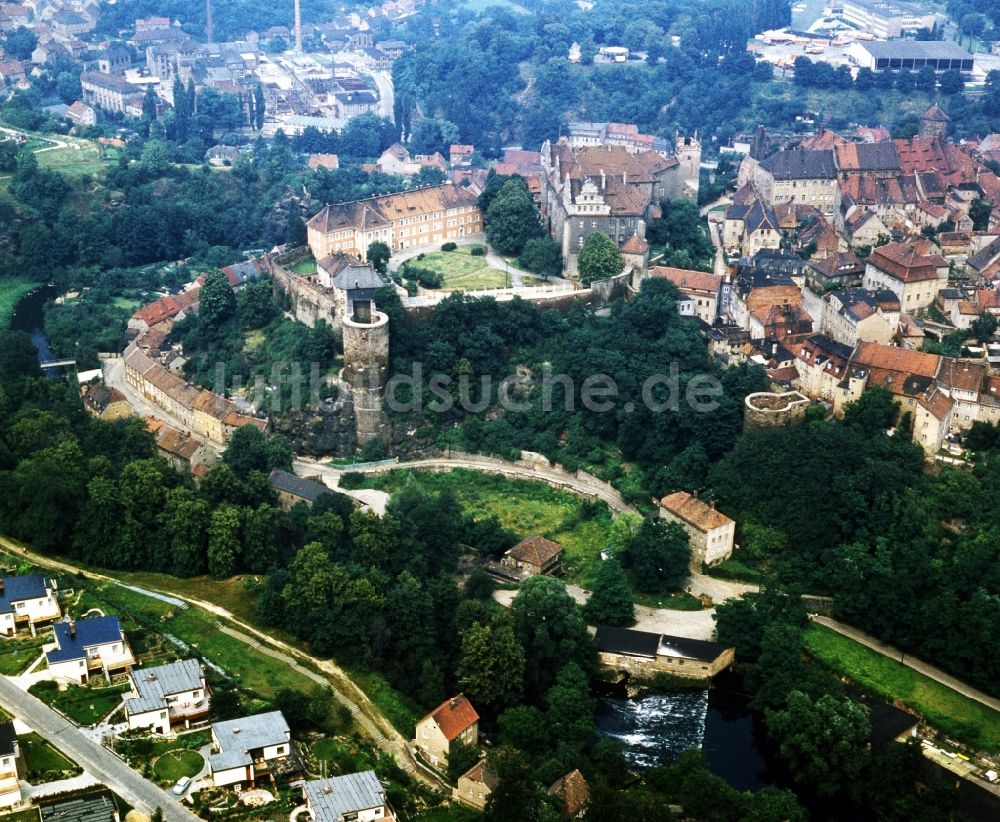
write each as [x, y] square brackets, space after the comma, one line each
[298, 28]
[208, 20]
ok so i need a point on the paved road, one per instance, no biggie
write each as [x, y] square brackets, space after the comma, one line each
[909, 661]
[102, 764]
[369, 717]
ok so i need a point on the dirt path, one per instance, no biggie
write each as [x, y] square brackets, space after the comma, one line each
[367, 715]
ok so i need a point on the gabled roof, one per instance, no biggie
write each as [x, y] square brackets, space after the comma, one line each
[18, 589]
[799, 164]
[453, 716]
[573, 792]
[866, 157]
[536, 550]
[647, 644]
[936, 403]
[89, 633]
[330, 799]
[962, 375]
[296, 486]
[893, 360]
[156, 683]
[237, 737]
[686, 278]
[909, 262]
[694, 511]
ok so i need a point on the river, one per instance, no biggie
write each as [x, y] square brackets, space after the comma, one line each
[29, 317]
[656, 729]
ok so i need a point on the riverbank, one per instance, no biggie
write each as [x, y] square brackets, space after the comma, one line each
[12, 291]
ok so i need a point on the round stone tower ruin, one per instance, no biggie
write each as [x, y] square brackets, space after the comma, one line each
[366, 362]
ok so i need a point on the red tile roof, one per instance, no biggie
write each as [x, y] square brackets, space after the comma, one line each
[536, 551]
[453, 716]
[694, 511]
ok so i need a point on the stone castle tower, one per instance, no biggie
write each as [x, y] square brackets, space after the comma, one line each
[366, 362]
[688, 153]
[934, 123]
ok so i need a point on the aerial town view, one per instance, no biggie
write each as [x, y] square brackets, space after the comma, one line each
[516, 410]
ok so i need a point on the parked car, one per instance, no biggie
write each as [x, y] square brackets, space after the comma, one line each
[182, 785]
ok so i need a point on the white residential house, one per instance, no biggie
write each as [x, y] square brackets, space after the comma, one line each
[914, 271]
[246, 747]
[168, 695]
[26, 602]
[711, 532]
[87, 647]
[353, 797]
[453, 720]
[10, 766]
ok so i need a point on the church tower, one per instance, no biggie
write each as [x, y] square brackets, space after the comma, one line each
[688, 153]
[934, 123]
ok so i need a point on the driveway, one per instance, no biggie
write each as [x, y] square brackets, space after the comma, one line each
[97, 761]
[690, 624]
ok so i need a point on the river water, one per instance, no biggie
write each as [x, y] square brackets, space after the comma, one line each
[656, 729]
[29, 317]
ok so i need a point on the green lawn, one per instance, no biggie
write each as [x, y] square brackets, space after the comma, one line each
[17, 654]
[12, 290]
[41, 758]
[253, 671]
[341, 756]
[77, 157]
[402, 712]
[306, 265]
[172, 765]
[525, 507]
[956, 715]
[461, 270]
[83, 705]
[27, 815]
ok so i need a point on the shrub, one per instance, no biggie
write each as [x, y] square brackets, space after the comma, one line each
[478, 251]
[449, 247]
[352, 480]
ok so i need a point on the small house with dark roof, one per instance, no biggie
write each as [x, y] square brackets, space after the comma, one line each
[11, 766]
[710, 531]
[88, 647]
[453, 720]
[105, 402]
[854, 314]
[353, 797]
[27, 602]
[292, 489]
[841, 270]
[645, 653]
[534, 555]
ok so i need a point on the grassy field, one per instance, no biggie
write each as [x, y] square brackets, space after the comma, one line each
[460, 270]
[12, 289]
[402, 712]
[17, 654]
[526, 508]
[956, 715]
[27, 815]
[77, 157]
[307, 265]
[41, 758]
[85, 706]
[172, 765]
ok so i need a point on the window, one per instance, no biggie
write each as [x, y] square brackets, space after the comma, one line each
[280, 750]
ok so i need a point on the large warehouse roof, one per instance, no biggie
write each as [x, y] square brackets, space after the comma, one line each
[919, 49]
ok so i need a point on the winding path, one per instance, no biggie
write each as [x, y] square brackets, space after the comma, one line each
[364, 711]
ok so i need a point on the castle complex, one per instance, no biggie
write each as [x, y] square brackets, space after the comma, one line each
[614, 187]
[423, 216]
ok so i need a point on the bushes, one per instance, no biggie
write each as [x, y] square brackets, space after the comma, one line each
[449, 247]
[426, 277]
[478, 251]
